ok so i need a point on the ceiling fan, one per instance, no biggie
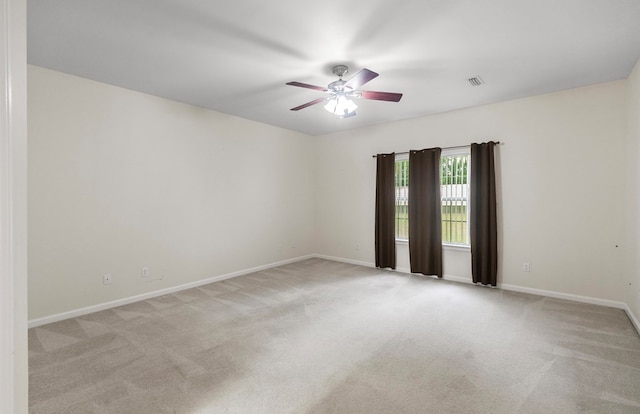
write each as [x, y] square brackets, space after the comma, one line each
[339, 102]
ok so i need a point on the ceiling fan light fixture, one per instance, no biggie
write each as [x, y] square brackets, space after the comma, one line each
[341, 106]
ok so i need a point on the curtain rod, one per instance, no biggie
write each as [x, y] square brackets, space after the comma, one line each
[444, 148]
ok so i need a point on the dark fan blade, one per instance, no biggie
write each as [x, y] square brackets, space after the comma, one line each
[381, 96]
[315, 101]
[360, 78]
[306, 85]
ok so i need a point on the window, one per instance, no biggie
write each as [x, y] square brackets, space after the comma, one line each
[454, 192]
[402, 197]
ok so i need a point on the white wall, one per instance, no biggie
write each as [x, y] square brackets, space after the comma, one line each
[561, 200]
[633, 192]
[119, 180]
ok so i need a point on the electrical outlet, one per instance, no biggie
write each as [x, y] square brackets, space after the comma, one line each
[106, 279]
[146, 272]
[525, 267]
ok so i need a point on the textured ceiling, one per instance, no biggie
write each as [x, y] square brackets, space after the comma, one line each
[236, 56]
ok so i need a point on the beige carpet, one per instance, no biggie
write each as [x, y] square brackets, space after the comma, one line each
[325, 337]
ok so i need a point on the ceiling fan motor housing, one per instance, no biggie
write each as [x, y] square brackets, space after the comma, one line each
[337, 86]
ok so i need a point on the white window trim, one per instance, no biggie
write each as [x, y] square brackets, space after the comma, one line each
[456, 247]
[456, 151]
[445, 246]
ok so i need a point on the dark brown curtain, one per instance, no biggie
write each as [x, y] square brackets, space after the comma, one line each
[482, 216]
[425, 213]
[385, 211]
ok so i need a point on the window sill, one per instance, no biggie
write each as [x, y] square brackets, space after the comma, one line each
[445, 246]
[456, 247]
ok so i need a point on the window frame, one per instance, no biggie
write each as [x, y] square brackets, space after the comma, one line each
[453, 152]
[401, 157]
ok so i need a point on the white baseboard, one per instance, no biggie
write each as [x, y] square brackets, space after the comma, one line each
[634, 320]
[565, 296]
[344, 260]
[125, 301]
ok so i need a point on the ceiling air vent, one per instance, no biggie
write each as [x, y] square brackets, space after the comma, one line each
[475, 81]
